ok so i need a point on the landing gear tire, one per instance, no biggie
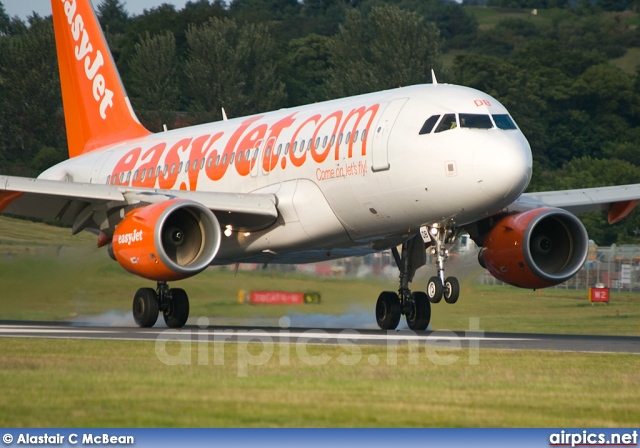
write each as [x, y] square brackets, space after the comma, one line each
[145, 307]
[177, 313]
[420, 315]
[388, 310]
[434, 290]
[451, 290]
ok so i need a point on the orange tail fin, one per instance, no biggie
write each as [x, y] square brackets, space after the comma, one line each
[97, 111]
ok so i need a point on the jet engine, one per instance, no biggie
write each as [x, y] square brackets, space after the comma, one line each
[535, 249]
[170, 240]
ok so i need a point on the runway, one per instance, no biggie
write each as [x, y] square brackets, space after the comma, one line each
[235, 334]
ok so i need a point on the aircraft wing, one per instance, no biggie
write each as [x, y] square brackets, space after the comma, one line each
[78, 204]
[617, 200]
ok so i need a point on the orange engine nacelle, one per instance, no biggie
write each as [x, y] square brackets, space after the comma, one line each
[535, 249]
[171, 240]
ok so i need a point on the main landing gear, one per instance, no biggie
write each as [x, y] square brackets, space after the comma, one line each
[174, 304]
[416, 306]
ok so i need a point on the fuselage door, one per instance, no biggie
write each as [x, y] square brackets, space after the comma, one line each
[255, 163]
[382, 132]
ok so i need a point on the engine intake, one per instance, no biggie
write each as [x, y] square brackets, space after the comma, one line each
[536, 249]
[171, 240]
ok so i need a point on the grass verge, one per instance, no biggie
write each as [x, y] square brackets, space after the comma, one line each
[69, 383]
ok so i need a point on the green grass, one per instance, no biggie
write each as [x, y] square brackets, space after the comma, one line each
[62, 278]
[62, 383]
[488, 17]
[629, 62]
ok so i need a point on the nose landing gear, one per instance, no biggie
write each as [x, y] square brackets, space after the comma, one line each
[439, 286]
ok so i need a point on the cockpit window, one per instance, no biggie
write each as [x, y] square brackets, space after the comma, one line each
[504, 122]
[475, 121]
[447, 122]
[429, 124]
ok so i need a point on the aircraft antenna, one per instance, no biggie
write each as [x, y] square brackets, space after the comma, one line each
[433, 78]
[224, 115]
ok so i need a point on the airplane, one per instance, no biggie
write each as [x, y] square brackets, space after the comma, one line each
[406, 169]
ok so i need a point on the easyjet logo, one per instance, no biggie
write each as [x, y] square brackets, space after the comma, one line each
[131, 237]
[92, 60]
[252, 147]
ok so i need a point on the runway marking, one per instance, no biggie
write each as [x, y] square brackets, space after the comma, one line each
[51, 330]
[347, 336]
[278, 333]
[314, 336]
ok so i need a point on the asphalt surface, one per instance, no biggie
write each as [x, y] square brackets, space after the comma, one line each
[234, 334]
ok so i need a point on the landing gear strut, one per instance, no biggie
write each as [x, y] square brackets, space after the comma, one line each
[174, 304]
[414, 305]
[439, 286]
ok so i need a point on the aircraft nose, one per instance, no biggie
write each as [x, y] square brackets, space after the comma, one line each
[502, 165]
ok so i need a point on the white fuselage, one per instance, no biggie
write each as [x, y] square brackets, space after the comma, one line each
[338, 192]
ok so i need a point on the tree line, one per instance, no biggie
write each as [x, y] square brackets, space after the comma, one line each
[579, 111]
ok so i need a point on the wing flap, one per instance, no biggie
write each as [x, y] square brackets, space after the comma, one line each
[72, 203]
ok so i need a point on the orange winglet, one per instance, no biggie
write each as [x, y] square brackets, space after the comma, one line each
[97, 111]
[7, 197]
[619, 210]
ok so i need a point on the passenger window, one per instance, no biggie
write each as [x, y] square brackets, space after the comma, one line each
[286, 149]
[447, 122]
[318, 143]
[143, 173]
[428, 125]
[122, 177]
[504, 121]
[240, 156]
[279, 149]
[364, 134]
[324, 141]
[333, 139]
[173, 168]
[164, 171]
[355, 137]
[217, 160]
[475, 121]
[347, 138]
[224, 160]
[310, 143]
[195, 165]
[340, 140]
[295, 146]
[202, 163]
[135, 175]
[209, 162]
[233, 154]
